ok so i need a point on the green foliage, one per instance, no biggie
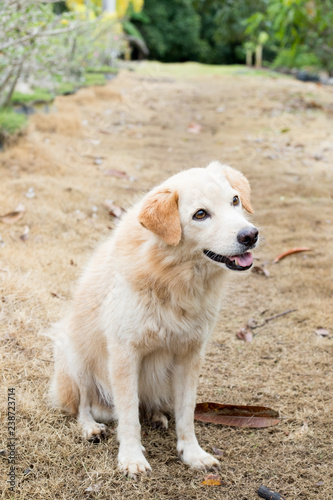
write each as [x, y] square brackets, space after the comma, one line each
[130, 29]
[301, 31]
[173, 33]
[101, 69]
[40, 46]
[294, 33]
[94, 79]
[39, 95]
[211, 31]
[222, 26]
[299, 58]
[60, 7]
[11, 122]
[65, 88]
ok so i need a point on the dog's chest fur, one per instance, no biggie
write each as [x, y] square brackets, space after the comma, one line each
[177, 314]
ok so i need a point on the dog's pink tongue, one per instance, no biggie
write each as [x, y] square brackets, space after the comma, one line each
[243, 260]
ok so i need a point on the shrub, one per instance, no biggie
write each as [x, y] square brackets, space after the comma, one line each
[172, 32]
[11, 122]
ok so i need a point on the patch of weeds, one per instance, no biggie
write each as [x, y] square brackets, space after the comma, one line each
[101, 69]
[38, 95]
[11, 122]
[94, 79]
[194, 69]
[66, 88]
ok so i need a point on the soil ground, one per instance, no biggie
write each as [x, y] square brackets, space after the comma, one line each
[279, 133]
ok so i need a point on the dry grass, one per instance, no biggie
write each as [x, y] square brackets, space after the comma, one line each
[287, 153]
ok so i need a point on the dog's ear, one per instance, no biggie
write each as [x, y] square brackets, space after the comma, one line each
[159, 213]
[237, 180]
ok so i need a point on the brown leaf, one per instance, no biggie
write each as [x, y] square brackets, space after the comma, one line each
[113, 209]
[322, 332]
[212, 480]
[104, 131]
[290, 252]
[14, 216]
[57, 296]
[25, 234]
[194, 128]
[236, 415]
[117, 173]
[245, 334]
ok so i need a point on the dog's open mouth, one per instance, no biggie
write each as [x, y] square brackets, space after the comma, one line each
[240, 262]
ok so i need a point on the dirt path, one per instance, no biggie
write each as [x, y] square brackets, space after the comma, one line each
[279, 133]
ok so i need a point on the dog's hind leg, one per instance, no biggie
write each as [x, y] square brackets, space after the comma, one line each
[91, 429]
[103, 413]
[159, 420]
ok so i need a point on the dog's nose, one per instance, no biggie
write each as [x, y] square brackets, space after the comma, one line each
[248, 236]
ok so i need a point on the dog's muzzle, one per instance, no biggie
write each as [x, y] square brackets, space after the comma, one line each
[241, 262]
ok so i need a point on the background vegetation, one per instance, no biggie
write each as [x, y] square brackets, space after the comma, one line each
[48, 48]
[290, 33]
[56, 46]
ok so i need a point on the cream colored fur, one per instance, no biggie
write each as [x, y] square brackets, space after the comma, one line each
[144, 310]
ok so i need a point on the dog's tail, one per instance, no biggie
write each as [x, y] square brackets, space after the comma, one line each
[64, 392]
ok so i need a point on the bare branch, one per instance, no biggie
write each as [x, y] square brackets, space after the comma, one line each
[21, 40]
[12, 87]
[80, 28]
[38, 33]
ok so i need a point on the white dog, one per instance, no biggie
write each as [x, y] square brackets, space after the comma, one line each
[146, 306]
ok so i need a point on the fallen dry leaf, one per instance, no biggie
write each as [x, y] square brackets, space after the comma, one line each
[24, 236]
[299, 433]
[245, 334]
[93, 487]
[30, 193]
[236, 415]
[212, 480]
[57, 296]
[322, 332]
[252, 323]
[117, 173]
[217, 451]
[261, 270]
[14, 216]
[113, 209]
[194, 128]
[291, 251]
[104, 131]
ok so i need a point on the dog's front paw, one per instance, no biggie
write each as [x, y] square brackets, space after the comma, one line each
[133, 463]
[197, 458]
[94, 431]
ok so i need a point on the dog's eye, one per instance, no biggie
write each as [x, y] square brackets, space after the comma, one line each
[200, 215]
[235, 201]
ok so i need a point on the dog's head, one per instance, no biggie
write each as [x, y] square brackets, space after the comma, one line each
[203, 210]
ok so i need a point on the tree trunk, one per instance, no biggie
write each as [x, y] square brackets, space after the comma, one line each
[109, 6]
[4, 83]
[249, 58]
[259, 56]
[12, 88]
